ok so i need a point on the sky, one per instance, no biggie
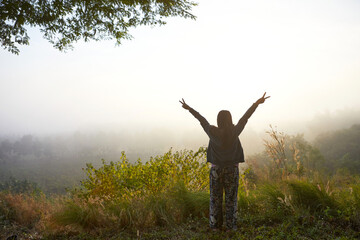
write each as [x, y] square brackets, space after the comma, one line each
[305, 54]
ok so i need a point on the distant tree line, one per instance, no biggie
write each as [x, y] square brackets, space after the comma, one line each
[19, 186]
[55, 163]
[341, 149]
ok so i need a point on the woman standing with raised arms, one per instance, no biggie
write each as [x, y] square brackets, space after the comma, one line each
[224, 153]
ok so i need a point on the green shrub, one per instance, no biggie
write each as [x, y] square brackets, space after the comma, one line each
[312, 197]
[194, 204]
[85, 214]
[275, 204]
[119, 181]
[248, 204]
[272, 195]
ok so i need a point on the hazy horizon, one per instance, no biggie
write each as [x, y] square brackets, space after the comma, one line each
[146, 142]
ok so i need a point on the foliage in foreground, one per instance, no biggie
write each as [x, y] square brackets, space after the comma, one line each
[296, 209]
[167, 198]
[119, 181]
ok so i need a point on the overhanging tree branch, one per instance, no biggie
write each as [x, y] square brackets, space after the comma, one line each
[64, 22]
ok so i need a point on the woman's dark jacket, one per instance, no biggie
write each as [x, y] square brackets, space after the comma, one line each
[216, 153]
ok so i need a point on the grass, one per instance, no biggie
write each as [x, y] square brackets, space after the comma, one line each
[291, 210]
[311, 197]
[288, 229]
[168, 198]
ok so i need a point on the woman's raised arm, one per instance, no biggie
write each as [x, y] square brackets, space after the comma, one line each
[243, 120]
[204, 123]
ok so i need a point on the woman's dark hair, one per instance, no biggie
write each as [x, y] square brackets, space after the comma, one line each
[224, 119]
[224, 130]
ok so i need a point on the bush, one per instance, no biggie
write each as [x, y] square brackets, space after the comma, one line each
[315, 198]
[86, 214]
[119, 181]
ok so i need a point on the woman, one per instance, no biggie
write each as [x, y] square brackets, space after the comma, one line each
[224, 153]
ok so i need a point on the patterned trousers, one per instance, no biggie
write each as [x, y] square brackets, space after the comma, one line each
[223, 179]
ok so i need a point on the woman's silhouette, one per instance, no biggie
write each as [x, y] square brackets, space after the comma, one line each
[224, 153]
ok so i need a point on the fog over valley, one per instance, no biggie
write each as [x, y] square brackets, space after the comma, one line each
[60, 110]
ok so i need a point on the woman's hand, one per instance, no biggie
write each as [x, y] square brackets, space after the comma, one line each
[184, 105]
[262, 99]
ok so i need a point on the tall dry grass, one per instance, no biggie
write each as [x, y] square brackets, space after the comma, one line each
[30, 211]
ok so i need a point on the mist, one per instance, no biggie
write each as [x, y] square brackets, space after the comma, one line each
[98, 100]
[148, 141]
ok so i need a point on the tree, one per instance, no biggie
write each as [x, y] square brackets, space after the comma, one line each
[64, 22]
[341, 148]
